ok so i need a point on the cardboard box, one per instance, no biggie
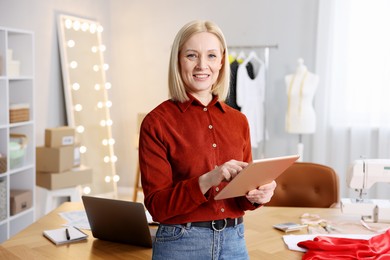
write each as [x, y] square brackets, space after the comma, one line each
[77, 176]
[54, 159]
[59, 136]
[20, 200]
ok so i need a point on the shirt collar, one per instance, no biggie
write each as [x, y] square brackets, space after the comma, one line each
[193, 101]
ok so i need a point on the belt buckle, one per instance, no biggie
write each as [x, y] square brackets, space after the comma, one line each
[215, 229]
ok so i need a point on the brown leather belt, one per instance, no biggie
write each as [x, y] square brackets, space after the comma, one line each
[218, 225]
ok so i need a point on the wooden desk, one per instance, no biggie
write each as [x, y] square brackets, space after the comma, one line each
[263, 241]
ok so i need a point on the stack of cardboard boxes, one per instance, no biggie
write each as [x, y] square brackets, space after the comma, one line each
[58, 162]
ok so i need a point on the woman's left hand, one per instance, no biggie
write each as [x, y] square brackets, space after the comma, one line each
[263, 194]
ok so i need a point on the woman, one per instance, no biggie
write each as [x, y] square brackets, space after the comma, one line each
[190, 147]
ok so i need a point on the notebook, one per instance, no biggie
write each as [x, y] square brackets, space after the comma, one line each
[118, 221]
[257, 173]
[65, 235]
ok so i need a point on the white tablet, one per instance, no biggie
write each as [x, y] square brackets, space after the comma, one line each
[257, 173]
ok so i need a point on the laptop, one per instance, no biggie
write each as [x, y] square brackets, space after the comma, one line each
[257, 173]
[118, 221]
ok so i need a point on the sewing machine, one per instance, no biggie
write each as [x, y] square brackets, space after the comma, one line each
[362, 175]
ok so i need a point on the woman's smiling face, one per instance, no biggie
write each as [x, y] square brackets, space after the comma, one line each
[200, 61]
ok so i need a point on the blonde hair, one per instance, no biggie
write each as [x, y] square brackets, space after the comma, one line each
[177, 90]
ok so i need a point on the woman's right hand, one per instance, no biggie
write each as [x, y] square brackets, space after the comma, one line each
[225, 172]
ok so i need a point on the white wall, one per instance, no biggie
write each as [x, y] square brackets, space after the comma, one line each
[143, 31]
[138, 35]
[40, 17]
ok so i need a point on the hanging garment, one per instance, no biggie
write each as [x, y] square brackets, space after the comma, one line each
[324, 248]
[231, 100]
[232, 97]
[250, 96]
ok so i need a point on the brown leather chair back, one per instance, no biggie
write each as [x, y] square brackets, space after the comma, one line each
[306, 185]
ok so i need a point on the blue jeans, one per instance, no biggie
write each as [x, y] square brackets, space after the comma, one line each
[186, 242]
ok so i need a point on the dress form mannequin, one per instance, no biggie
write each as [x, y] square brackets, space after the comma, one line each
[300, 116]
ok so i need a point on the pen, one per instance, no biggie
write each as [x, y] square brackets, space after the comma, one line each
[67, 234]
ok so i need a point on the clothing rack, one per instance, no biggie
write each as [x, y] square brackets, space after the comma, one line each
[269, 46]
[266, 48]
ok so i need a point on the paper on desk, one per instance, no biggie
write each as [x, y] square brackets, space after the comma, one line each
[77, 218]
[150, 219]
[292, 240]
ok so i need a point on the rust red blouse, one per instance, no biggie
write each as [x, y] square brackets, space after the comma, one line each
[180, 142]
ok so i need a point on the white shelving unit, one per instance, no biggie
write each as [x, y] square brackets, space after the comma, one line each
[16, 89]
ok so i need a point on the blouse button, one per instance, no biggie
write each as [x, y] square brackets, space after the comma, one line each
[214, 145]
[210, 126]
[217, 189]
[222, 210]
[205, 109]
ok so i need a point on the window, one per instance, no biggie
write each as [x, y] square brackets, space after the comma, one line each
[360, 78]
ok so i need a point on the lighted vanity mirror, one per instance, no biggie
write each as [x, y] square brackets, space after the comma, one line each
[86, 99]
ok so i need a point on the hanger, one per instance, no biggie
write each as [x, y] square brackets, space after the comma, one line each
[253, 56]
[232, 56]
[241, 57]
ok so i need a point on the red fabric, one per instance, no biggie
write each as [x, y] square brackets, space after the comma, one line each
[176, 147]
[322, 248]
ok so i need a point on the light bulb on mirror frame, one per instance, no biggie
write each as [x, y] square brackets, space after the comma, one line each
[71, 43]
[80, 129]
[85, 26]
[92, 28]
[87, 190]
[76, 25]
[75, 86]
[68, 24]
[116, 178]
[83, 149]
[78, 107]
[73, 64]
[107, 85]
